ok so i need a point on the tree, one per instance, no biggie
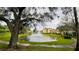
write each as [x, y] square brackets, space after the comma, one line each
[16, 16]
[73, 10]
[77, 28]
[66, 26]
[13, 24]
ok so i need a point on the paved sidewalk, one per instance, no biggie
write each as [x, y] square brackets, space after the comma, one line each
[4, 42]
[43, 45]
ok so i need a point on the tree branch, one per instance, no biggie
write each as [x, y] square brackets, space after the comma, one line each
[4, 19]
[7, 21]
[20, 11]
[14, 12]
[29, 19]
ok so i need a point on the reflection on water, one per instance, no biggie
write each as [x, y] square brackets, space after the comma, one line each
[38, 37]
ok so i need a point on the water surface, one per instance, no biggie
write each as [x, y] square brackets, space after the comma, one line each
[38, 37]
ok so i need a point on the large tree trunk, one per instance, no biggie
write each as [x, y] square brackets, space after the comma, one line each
[77, 43]
[14, 36]
[77, 28]
[13, 40]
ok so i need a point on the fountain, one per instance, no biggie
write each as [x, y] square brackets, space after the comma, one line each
[38, 37]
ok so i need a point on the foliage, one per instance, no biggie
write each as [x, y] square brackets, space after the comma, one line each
[4, 30]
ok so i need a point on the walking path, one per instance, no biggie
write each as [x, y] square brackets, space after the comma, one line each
[22, 44]
[43, 45]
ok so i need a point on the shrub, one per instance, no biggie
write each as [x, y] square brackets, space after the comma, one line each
[67, 37]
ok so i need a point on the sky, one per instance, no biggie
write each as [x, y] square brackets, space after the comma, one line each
[2, 23]
[53, 24]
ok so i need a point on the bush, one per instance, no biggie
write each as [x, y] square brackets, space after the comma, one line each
[3, 30]
[67, 37]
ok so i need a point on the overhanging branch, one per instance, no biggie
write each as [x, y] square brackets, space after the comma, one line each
[4, 19]
[20, 11]
[7, 21]
[14, 12]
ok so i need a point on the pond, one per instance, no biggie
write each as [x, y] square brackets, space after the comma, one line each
[38, 37]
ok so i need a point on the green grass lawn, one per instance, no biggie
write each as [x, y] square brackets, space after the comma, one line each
[6, 36]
